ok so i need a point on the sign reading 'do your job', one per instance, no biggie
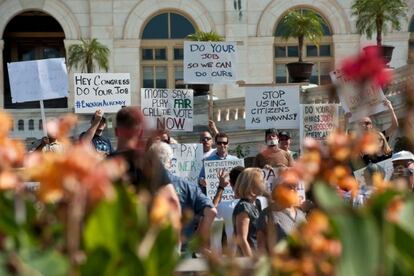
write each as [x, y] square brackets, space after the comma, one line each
[37, 80]
[209, 62]
[211, 169]
[318, 120]
[267, 107]
[106, 91]
[170, 109]
[187, 161]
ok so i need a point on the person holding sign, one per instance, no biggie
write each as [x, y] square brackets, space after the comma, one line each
[190, 196]
[249, 186]
[273, 156]
[94, 134]
[222, 142]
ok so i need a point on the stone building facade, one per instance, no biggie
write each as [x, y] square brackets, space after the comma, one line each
[121, 25]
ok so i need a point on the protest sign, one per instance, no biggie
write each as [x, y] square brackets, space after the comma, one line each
[170, 109]
[38, 80]
[267, 107]
[187, 161]
[106, 91]
[359, 101]
[209, 62]
[211, 169]
[318, 120]
[386, 165]
[269, 177]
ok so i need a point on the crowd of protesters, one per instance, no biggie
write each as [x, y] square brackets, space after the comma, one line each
[255, 219]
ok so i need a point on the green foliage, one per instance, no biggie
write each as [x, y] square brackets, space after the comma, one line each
[87, 55]
[373, 16]
[205, 36]
[240, 151]
[302, 25]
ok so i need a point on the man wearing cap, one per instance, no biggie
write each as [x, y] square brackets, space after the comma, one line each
[272, 155]
[403, 164]
[94, 134]
[284, 143]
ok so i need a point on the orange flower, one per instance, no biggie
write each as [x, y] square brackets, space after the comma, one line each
[285, 196]
[317, 223]
[349, 183]
[164, 212]
[368, 143]
[339, 145]
[5, 124]
[394, 209]
[8, 180]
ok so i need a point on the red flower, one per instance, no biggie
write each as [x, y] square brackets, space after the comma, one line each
[368, 66]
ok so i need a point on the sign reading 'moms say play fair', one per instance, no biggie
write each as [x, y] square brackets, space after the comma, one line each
[106, 91]
[209, 62]
[273, 106]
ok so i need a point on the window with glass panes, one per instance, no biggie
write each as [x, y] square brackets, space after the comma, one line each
[411, 42]
[162, 51]
[288, 51]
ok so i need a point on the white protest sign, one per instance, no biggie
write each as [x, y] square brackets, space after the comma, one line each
[38, 80]
[318, 120]
[209, 62]
[211, 169]
[386, 165]
[267, 107]
[170, 109]
[187, 161]
[357, 100]
[269, 178]
[106, 91]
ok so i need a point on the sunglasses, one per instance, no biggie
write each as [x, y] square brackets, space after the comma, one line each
[205, 139]
[220, 143]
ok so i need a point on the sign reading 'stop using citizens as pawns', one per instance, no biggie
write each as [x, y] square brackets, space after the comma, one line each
[106, 91]
[272, 106]
[209, 62]
[37, 80]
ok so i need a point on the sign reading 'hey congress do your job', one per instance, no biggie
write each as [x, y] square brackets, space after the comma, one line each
[209, 62]
[106, 91]
[267, 107]
[170, 109]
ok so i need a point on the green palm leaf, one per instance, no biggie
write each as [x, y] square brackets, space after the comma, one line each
[205, 36]
[88, 55]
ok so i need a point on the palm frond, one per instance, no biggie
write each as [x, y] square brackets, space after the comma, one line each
[87, 55]
[205, 36]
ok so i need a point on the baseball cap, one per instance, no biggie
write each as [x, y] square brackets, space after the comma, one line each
[403, 155]
[284, 133]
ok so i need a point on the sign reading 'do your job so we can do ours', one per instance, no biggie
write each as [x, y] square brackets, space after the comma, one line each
[209, 62]
[106, 91]
[318, 120]
[267, 107]
[170, 109]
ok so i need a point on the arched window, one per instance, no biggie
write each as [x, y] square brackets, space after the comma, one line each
[411, 42]
[162, 50]
[31, 124]
[287, 51]
[20, 125]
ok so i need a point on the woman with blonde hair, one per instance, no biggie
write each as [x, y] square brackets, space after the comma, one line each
[383, 152]
[249, 185]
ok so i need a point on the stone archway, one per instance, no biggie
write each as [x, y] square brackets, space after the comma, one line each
[191, 8]
[331, 11]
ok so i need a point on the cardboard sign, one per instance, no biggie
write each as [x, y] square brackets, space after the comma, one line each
[187, 161]
[37, 80]
[269, 107]
[170, 109]
[318, 120]
[209, 62]
[359, 101]
[106, 91]
[269, 178]
[212, 168]
[386, 165]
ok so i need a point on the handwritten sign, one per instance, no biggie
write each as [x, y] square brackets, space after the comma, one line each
[170, 109]
[318, 120]
[187, 161]
[209, 62]
[212, 168]
[269, 176]
[385, 164]
[267, 107]
[357, 100]
[38, 80]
